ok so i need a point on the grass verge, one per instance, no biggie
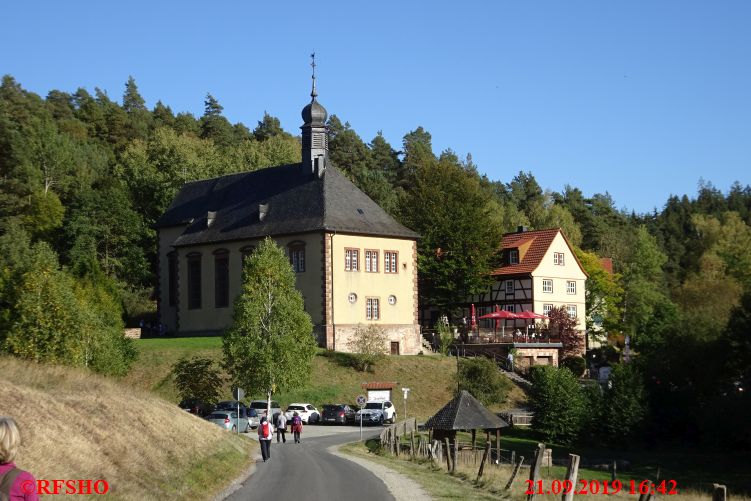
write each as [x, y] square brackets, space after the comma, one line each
[78, 425]
[333, 380]
[463, 485]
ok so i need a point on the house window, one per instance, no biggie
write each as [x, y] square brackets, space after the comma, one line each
[547, 286]
[371, 261]
[194, 281]
[390, 260]
[172, 279]
[297, 256]
[509, 307]
[351, 260]
[352, 297]
[392, 300]
[509, 286]
[571, 310]
[570, 287]
[371, 309]
[221, 278]
[558, 258]
[546, 309]
[513, 256]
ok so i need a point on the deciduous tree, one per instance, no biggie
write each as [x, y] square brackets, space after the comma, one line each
[270, 346]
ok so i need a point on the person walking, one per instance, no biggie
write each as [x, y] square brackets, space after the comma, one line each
[15, 484]
[281, 427]
[265, 433]
[296, 427]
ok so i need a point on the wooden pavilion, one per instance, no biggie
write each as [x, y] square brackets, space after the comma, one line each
[464, 412]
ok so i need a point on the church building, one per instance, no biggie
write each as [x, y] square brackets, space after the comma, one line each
[354, 264]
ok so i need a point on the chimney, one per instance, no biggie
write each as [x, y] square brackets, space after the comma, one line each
[263, 209]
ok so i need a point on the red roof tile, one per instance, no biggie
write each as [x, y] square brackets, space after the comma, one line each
[379, 385]
[607, 264]
[537, 242]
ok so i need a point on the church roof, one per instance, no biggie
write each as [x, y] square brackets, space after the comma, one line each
[228, 207]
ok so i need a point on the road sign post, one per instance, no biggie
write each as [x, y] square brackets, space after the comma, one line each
[360, 402]
[239, 394]
[406, 392]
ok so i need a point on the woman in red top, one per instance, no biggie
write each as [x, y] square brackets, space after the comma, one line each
[16, 484]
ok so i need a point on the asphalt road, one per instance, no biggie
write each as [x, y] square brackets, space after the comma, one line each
[308, 471]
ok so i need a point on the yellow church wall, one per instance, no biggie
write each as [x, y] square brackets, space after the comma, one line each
[211, 318]
[375, 285]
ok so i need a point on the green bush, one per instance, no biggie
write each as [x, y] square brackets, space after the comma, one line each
[445, 338]
[368, 347]
[199, 378]
[576, 364]
[558, 403]
[480, 377]
[625, 407]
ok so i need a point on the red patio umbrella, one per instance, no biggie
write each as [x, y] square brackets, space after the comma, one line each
[530, 315]
[473, 322]
[500, 314]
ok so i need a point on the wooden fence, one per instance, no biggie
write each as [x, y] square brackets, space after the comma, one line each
[404, 439]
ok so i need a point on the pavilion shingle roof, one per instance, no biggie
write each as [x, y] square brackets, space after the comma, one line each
[296, 203]
[464, 412]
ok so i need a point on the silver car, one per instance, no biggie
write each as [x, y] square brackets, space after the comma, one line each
[229, 420]
[260, 407]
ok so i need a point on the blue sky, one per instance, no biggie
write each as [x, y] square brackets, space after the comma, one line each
[637, 98]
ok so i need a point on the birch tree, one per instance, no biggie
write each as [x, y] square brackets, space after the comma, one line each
[270, 346]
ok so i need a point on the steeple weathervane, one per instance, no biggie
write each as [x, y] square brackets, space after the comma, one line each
[313, 93]
[314, 137]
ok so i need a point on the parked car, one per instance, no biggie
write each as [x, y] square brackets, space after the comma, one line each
[229, 420]
[377, 412]
[260, 407]
[196, 406]
[339, 414]
[307, 412]
[229, 405]
[254, 419]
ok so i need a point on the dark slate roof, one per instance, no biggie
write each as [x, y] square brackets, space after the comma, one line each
[464, 412]
[297, 203]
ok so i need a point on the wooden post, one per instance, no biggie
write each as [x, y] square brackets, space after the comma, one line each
[474, 443]
[571, 473]
[513, 457]
[456, 455]
[719, 492]
[534, 471]
[397, 444]
[412, 445]
[498, 445]
[514, 473]
[448, 454]
[613, 473]
[484, 458]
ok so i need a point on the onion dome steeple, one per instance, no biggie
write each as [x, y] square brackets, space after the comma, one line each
[314, 132]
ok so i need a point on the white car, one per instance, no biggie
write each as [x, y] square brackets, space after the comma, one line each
[307, 412]
[376, 412]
